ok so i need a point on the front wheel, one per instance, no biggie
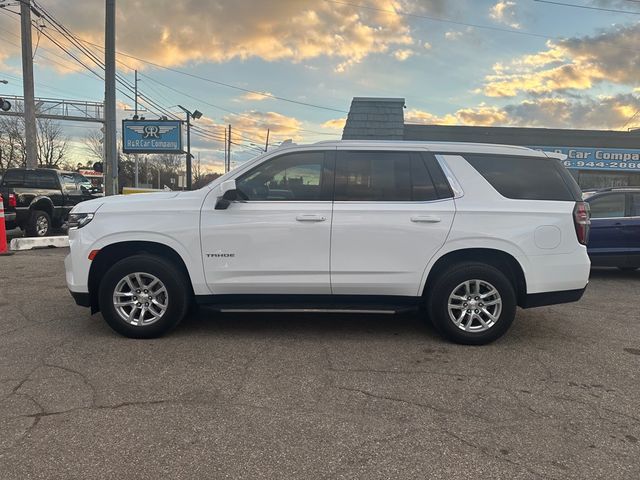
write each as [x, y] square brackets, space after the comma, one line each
[143, 296]
[472, 304]
[38, 224]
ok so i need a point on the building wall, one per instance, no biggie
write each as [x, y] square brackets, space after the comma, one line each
[592, 177]
[383, 119]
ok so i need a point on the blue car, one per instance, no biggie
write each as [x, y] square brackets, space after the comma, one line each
[614, 240]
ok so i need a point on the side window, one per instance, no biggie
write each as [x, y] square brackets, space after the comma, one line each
[422, 187]
[13, 178]
[437, 175]
[608, 206]
[635, 205]
[387, 176]
[31, 179]
[295, 176]
[46, 179]
[68, 180]
[525, 178]
[371, 176]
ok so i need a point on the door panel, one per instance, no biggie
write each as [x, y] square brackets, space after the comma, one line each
[266, 248]
[388, 221]
[278, 240]
[378, 249]
[607, 235]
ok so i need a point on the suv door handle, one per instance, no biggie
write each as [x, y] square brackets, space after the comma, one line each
[310, 218]
[425, 219]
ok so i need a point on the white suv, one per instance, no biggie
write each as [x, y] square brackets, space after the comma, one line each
[466, 231]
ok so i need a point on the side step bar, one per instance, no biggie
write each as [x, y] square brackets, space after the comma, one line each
[345, 304]
[306, 310]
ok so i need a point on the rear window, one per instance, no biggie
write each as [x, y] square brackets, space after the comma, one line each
[526, 178]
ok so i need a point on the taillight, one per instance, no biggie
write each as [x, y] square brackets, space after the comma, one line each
[12, 200]
[582, 221]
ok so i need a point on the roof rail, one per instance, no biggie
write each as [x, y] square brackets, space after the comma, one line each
[611, 189]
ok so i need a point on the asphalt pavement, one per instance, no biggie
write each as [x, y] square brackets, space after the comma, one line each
[315, 396]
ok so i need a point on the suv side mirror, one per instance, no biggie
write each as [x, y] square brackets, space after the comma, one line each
[228, 194]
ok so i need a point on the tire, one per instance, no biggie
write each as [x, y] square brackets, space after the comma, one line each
[452, 282]
[164, 311]
[627, 269]
[38, 224]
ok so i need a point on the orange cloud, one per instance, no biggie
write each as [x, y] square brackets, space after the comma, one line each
[175, 33]
[334, 124]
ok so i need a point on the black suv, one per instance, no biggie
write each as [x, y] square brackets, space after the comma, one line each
[38, 200]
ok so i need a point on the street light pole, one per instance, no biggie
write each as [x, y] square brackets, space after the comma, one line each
[195, 115]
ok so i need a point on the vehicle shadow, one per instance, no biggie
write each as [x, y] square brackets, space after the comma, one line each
[209, 321]
[613, 273]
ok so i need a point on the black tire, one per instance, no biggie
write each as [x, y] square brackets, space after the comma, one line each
[445, 285]
[178, 295]
[38, 224]
[627, 269]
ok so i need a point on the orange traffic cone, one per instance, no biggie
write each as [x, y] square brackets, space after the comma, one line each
[3, 231]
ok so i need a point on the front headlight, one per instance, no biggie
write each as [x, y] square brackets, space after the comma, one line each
[79, 220]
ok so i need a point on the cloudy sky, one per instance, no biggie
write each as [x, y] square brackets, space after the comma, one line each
[467, 62]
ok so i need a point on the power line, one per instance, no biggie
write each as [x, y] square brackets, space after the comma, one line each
[216, 82]
[226, 109]
[587, 7]
[444, 20]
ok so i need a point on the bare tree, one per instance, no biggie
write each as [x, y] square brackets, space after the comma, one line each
[197, 173]
[94, 147]
[52, 144]
[12, 153]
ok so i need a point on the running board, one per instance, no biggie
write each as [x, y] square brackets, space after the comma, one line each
[306, 310]
[345, 304]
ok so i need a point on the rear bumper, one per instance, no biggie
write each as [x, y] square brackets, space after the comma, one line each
[10, 219]
[552, 298]
[81, 298]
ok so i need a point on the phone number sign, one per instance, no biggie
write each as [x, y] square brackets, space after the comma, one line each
[593, 158]
[152, 136]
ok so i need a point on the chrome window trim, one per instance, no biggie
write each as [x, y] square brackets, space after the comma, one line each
[453, 182]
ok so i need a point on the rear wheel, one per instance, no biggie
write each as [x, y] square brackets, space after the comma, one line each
[472, 304]
[143, 296]
[38, 224]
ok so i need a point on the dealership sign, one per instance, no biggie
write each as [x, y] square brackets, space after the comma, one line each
[592, 158]
[152, 136]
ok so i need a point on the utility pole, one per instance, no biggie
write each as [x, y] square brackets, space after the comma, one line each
[229, 148]
[136, 184]
[225, 150]
[135, 108]
[110, 142]
[266, 144]
[188, 150]
[27, 81]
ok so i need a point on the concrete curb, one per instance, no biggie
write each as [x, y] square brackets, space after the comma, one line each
[38, 242]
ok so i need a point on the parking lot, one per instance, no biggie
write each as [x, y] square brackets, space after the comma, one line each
[312, 396]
